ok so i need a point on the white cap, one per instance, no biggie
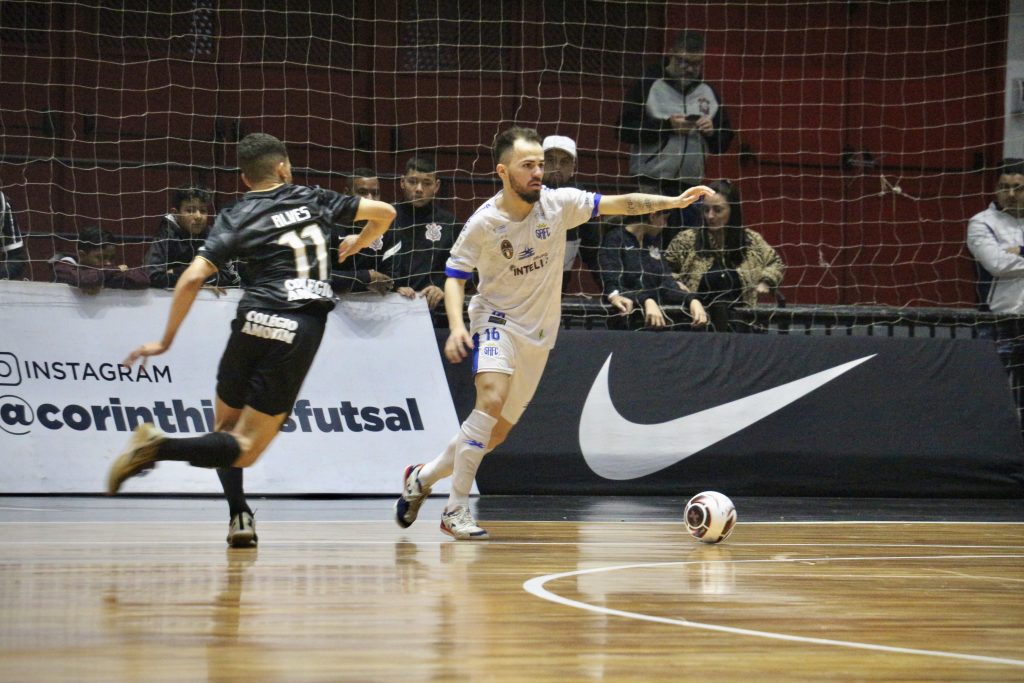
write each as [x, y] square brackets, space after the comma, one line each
[560, 142]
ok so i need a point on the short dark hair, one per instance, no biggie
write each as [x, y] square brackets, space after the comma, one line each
[689, 41]
[421, 164]
[1011, 167]
[506, 140]
[188, 192]
[93, 238]
[362, 172]
[644, 218]
[259, 154]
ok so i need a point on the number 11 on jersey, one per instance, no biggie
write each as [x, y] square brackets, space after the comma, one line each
[300, 242]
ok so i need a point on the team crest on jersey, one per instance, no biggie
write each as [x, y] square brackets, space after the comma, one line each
[543, 231]
[433, 232]
[506, 249]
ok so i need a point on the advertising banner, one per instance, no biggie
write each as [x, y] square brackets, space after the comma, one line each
[676, 413]
[375, 397]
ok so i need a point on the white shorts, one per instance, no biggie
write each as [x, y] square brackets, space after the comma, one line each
[495, 349]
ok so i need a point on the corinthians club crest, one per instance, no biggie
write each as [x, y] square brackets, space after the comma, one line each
[506, 249]
[432, 232]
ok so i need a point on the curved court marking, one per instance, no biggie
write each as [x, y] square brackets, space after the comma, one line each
[536, 587]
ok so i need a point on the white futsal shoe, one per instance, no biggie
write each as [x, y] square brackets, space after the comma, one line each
[407, 507]
[460, 525]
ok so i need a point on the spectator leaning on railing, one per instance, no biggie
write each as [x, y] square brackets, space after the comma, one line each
[12, 246]
[723, 261]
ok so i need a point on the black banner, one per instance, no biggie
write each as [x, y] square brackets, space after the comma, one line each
[674, 413]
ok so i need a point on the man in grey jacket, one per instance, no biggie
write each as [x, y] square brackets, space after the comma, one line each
[671, 118]
[996, 239]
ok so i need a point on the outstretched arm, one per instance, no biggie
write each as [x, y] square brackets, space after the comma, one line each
[189, 284]
[378, 217]
[638, 203]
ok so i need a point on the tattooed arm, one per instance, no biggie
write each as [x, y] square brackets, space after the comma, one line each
[638, 203]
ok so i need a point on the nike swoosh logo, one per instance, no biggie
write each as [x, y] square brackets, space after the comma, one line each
[617, 449]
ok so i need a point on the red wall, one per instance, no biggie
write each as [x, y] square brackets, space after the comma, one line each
[917, 85]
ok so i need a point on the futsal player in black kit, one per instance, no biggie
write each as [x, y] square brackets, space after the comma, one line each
[283, 233]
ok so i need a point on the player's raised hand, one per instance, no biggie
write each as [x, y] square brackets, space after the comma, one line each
[458, 345]
[693, 194]
[346, 247]
[144, 351]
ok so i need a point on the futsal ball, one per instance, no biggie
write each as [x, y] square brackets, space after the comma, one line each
[710, 517]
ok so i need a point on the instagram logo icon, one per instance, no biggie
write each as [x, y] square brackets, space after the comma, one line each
[10, 372]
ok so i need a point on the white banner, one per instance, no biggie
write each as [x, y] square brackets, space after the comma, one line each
[375, 400]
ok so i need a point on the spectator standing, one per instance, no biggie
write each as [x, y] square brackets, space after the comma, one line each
[12, 244]
[996, 239]
[672, 118]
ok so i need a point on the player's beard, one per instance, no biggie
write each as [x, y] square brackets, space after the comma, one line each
[527, 195]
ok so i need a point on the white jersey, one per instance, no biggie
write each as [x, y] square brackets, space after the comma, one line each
[520, 263]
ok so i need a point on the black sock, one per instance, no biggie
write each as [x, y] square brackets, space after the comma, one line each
[218, 449]
[231, 480]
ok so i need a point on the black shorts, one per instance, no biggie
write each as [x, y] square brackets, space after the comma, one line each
[267, 358]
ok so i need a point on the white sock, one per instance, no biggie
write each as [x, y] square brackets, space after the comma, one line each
[469, 451]
[441, 466]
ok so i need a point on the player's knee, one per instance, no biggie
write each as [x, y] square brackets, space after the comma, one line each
[247, 454]
[490, 402]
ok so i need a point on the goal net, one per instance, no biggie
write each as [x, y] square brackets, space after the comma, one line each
[866, 133]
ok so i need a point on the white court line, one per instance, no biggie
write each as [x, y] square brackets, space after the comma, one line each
[502, 521]
[33, 509]
[839, 522]
[535, 587]
[286, 542]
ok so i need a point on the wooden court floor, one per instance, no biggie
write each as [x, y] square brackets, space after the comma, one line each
[135, 589]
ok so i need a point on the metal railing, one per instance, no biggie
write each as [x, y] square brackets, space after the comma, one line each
[886, 321]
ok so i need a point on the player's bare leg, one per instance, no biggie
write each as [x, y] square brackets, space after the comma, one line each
[238, 448]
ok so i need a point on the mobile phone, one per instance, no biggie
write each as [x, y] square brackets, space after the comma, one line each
[692, 117]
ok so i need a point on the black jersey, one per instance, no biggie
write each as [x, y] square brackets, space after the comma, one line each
[284, 236]
[418, 245]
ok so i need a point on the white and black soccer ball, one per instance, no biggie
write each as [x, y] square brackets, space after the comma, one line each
[710, 517]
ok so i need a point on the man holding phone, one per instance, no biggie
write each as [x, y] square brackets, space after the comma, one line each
[672, 119]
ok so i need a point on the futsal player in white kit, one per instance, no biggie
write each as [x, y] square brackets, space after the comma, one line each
[516, 242]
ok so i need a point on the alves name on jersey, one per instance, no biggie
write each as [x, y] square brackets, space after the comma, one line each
[283, 236]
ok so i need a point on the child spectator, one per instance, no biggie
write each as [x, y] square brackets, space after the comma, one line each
[178, 239]
[93, 268]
